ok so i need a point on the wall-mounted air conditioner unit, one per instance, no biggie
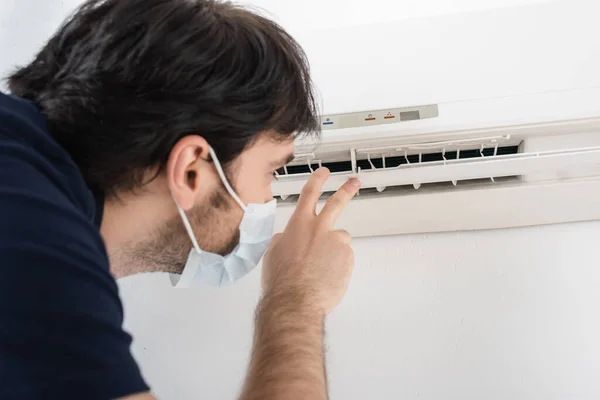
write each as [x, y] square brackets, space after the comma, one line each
[508, 133]
[474, 179]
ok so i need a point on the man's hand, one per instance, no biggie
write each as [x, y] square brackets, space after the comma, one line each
[305, 275]
[310, 259]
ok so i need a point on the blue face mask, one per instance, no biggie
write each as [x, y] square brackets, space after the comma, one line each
[256, 232]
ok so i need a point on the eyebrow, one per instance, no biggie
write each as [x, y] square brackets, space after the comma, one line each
[284, 161]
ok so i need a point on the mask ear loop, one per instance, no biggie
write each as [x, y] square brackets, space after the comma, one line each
[224, 179]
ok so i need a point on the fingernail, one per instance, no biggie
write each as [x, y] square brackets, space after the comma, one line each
[355, 182]
[322, 170]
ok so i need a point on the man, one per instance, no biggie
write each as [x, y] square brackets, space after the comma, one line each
[135, 110]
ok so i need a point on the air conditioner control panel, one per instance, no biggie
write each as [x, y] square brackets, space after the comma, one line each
[379, 117]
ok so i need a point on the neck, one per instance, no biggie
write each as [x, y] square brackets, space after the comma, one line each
[126, 222]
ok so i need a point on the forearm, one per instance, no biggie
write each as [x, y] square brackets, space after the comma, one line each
[288, 356]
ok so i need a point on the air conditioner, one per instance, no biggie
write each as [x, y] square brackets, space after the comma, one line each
[476, 156]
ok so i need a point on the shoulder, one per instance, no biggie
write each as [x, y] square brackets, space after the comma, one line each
[41, 190]
[60, 310]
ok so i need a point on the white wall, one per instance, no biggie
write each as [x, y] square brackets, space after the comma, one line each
[510, 314]
[494, 315]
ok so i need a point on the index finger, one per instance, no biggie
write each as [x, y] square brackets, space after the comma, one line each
[307, 203]
[338, 202]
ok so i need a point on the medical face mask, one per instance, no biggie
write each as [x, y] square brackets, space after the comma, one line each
[256, 231]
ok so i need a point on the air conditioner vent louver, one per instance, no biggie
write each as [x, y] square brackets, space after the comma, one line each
[373, 164]
[391, 162]
[435, 165]
[425, 189]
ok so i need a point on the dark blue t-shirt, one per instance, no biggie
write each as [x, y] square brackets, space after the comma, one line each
[61, 318]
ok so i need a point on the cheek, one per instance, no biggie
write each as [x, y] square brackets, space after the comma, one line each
[268, 193]
[255, 189]
[263, 193]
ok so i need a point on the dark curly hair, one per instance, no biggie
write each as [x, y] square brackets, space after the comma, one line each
[123, 80]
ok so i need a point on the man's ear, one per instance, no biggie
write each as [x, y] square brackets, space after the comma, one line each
[187, 164]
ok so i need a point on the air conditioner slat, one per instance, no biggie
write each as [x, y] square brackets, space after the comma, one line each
[454, 170]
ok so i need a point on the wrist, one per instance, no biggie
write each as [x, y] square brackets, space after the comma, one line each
[291, 302]
[288, 353]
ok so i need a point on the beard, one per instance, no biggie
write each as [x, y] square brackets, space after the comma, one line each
[216, 229]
